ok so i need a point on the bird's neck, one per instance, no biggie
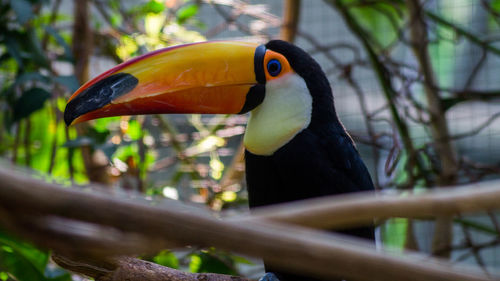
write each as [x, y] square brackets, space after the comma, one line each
[285, 111]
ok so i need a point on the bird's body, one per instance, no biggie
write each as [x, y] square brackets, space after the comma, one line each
[318, 161]
[294, 173]
[296, 147]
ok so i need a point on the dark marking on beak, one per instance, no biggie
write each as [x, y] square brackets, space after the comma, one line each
[254, 98]
[258, 61]
[99, 95]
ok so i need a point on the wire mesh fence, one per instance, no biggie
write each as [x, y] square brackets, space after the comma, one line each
[415, 84]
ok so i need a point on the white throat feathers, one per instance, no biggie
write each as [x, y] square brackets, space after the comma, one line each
[285, 111]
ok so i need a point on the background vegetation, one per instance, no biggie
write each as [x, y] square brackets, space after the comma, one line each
[408, 123]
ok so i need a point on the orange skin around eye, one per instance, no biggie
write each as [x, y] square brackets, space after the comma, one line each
[285, 66]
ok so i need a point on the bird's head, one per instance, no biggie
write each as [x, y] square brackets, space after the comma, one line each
[278, 83]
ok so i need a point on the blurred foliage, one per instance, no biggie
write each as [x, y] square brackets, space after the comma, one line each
[180, 157]
[21, 261]
[36, 78]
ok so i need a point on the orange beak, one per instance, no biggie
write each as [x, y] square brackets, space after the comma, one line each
[209, 77]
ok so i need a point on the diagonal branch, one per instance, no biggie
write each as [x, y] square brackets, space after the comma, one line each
[130, 269]
[284, 246]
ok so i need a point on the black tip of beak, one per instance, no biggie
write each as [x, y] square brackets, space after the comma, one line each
[69, 116]
[99, 94]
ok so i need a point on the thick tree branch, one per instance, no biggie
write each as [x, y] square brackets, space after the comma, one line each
[285, 246]
[130, 269]
[360, 209]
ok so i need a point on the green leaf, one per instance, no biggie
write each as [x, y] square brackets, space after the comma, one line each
[154, 7]
[29, 102]
[376, 19]
[69, 81]
[23, 10]
[186, 12]
[195, 263]
[20, 267]
[134, 130]
[102, 124]
[167, 258]
[495, 4]
[394, 233]
[242, 260]
[21, 259]
[211, 262]
[116, 19]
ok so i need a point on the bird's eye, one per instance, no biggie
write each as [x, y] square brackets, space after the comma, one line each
[274, 67]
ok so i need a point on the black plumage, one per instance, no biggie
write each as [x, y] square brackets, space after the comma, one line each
[320, 160]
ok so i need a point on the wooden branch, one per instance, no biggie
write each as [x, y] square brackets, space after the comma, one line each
[439, 127]
[130, 269]
[284, 246]
[291, 14]
[445, 152]
[361, 209]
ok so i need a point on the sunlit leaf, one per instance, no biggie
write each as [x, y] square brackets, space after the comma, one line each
[127, 47]
[216, 167]
[104, 124]
[186, 12]
[229, 196]
[29, 102]
[211, 262]
[153, 24]
[242, 260]
[116, 19]
[167, 258]
[176, 30]
[394, 233]
[153, 6]
[210, 143]
[134, 130]
[381, 20]
[195, 263]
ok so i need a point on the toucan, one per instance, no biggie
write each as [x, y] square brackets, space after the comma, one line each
[295, 145]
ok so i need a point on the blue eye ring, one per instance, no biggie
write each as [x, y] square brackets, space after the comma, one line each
[274, 67]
